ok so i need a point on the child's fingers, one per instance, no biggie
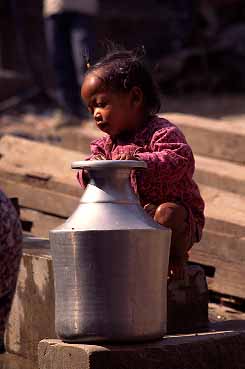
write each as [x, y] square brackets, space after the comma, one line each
[131, 157]
[150, 209]
[119, 157]
[125, 157]
[98, 157]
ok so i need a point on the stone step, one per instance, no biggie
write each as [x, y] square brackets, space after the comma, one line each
[223, 256]
[224, 211]
[32, 315]
[222, 247]
[212, 137]
[220, 174]
[221, 348]
[39, 161]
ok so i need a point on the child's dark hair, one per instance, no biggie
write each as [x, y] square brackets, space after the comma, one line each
[123, 69]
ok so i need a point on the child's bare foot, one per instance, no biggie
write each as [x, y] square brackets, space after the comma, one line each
[176, 270]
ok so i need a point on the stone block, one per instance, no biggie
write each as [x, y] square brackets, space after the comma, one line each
[221, 174]
[209, 350]
[212, 137]
[32, 314]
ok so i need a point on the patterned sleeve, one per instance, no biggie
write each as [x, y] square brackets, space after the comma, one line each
[97, 147]
[170, 157]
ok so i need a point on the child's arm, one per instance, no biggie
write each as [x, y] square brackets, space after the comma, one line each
[97, 148]
[170, 156]
[97, 153]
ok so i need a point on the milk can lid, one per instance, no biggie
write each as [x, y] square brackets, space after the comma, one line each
[108, 164]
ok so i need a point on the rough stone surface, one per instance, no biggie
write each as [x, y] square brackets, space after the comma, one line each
[220, 174]
[32, 314]
[214, 138]
[213, 350]
[224, 206]
[52, 162]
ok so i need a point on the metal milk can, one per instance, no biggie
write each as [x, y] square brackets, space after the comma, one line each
[110, 262]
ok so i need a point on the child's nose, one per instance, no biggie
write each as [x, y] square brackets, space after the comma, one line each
[97, 116]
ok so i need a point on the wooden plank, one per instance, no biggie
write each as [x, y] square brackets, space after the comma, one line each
[224, 246]
[212, 137]
[229, 276]
[40, 180]
[19, 155]
[42, 223]
[226, 254]
[221, 226]
[49, 202]
[221, 174]
[225, 207]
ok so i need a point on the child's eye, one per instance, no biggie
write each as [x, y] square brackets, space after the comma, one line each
[101, 104]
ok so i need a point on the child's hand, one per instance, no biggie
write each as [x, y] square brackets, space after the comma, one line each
[150, 209]
[125, 157]
[98, 157]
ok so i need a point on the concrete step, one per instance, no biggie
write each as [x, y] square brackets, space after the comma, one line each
[221, 348]
[32, 315]
[212, 137]
[222, 247]
[224, 211]
[220, 174]
[223, 256]
[38, 160]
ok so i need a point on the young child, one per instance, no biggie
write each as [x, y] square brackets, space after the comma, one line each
[121, 95]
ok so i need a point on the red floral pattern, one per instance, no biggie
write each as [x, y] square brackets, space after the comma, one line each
[169, 176]
[10, 255]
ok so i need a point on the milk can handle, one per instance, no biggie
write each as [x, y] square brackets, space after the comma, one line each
[108, 164]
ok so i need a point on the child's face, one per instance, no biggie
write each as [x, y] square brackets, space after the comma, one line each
[114, 113]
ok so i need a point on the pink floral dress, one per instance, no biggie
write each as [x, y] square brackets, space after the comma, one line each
[171, 165]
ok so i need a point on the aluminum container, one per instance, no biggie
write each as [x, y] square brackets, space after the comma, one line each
[110, 262]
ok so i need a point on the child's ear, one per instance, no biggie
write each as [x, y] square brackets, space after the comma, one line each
[136, 96]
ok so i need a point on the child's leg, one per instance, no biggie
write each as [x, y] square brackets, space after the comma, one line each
[175, 216]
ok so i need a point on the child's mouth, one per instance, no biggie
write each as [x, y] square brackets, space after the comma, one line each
[104, 126]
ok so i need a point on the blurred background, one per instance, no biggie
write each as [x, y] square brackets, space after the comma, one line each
[194, 46]
[196, 51]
